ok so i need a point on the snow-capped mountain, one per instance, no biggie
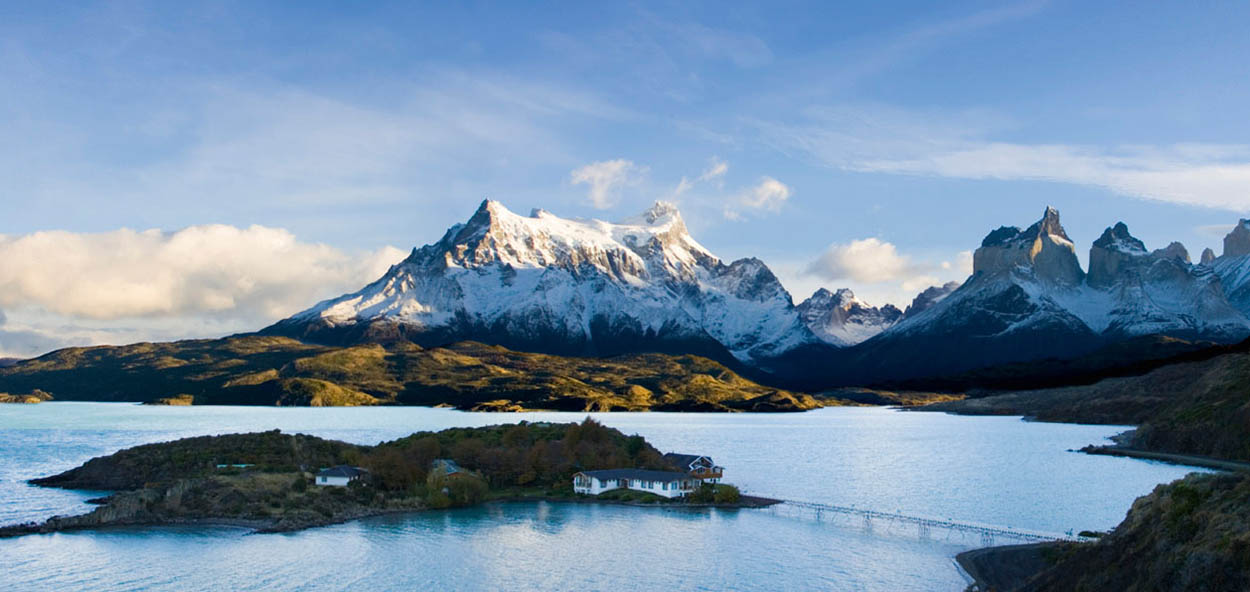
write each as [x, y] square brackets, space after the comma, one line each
[1028, 299]
[1159, 292]
[841, 319]
[545, 283]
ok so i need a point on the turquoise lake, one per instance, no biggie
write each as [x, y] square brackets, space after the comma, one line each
[992, 470]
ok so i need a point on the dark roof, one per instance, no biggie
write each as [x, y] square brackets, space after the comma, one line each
[639, 474]
[683, 460]
[342, 471]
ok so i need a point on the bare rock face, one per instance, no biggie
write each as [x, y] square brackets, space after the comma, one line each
[1115, 250]
[1208, 256]
[1043, 249]
[929, 297]
[1237, 242]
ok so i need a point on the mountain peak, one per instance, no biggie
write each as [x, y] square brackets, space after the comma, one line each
[1237, 243]
[1208, 256]
[841, 319]
[1048, 226]
[661, 210]
[1175, 251]
[1118, 238]
[1044, 248]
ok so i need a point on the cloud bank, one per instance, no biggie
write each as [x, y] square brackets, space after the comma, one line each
[54, 282]
[879, 139]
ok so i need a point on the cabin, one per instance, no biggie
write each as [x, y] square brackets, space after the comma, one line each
[696, 465]
[668, 484]
[446, 466]
[339, 476]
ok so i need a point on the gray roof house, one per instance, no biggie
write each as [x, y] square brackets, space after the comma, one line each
[339, 476]
[696, 465]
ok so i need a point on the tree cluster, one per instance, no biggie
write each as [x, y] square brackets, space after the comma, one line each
[528, 455]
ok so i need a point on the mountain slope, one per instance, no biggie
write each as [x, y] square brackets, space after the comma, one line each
[548, 284]
[1028, 299]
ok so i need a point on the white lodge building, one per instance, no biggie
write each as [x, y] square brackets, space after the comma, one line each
[662, 483]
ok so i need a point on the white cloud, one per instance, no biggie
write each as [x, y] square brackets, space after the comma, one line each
[243, 277]
[768, 195]
[605, 179]
[868, 260]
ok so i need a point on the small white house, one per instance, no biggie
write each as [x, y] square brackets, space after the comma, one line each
[339, 476]
[662, 483]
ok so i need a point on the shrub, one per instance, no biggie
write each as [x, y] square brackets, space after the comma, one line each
[705, 494]
[727, 494]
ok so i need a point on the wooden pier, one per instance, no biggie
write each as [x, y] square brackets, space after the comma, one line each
[926, 526]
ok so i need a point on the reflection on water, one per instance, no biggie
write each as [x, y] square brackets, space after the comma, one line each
[993, 470]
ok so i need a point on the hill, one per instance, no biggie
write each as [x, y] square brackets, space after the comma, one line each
[1197, 406]
[254, 370]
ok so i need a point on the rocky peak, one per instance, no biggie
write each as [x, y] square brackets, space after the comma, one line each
[1117, 238]
[1113, 252]
[662, 210]
[929, 297]
[1174, 252]
[1237, 243]
[1208, 256]
[1042, 249]
[1048, 225]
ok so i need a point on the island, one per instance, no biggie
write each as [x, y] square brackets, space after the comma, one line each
[274, 482]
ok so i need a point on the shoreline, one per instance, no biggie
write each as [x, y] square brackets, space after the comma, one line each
[1006, 567]
[270, 526]
[1167, 457]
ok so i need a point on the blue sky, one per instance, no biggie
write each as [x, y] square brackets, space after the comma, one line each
[281, 152]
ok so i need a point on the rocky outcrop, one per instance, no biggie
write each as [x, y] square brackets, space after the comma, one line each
[1114, 251]
[1237, 242]
[1043, 248]
[1208, 256]
[929, 297]
[1192, 534]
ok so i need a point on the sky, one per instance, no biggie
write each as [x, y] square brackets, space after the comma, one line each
[188, 169]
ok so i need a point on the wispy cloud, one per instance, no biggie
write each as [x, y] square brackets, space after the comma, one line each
[605, 179]
[883, 140]
[769, 194]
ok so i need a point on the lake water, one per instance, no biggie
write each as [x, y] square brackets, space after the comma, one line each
[993, 470]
